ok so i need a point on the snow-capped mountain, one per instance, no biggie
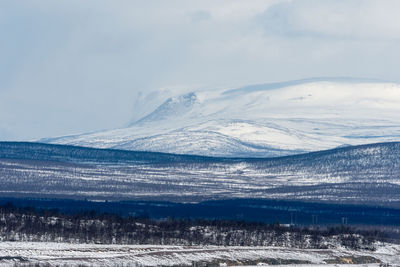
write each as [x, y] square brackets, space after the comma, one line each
[261, 120]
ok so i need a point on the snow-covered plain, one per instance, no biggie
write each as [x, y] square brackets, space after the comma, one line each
[261, 120]
[61, 254]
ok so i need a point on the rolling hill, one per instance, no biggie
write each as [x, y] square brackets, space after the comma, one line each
[365, 174]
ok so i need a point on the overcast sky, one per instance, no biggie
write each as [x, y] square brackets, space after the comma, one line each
[83, 65]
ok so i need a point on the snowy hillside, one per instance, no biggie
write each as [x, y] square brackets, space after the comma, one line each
[362, 174]
[262, 120]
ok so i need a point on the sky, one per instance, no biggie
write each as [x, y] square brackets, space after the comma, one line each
[74, 66]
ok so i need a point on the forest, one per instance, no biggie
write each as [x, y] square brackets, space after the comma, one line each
[30, 224]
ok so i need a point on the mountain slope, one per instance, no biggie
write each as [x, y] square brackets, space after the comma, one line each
[262, 120]
[366, 174]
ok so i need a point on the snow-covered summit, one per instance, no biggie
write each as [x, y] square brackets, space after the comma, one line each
[262, 120]
[172, 107]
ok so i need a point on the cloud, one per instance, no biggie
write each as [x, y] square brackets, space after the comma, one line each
[6, 135]
[200, 15]
[354, 19]
[75, 66]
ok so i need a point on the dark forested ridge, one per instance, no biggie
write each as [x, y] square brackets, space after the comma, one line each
[250, 210]
[77, 154]
[30, 224]
[53, 152]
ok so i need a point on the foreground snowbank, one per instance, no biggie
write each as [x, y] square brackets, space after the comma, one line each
[133, 255]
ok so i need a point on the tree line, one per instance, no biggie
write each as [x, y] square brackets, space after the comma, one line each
[30, 224]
